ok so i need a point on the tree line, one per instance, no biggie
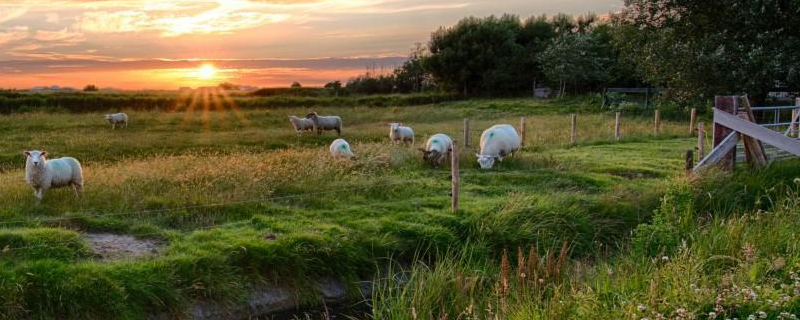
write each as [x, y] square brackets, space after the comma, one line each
[694, 48]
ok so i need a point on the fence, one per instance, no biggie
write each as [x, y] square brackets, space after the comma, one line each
[773, 117]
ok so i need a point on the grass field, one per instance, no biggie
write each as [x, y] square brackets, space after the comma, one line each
[237, 200]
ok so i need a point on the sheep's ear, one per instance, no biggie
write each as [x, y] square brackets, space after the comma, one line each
[44, 153]
[422, 150]
[478, 155]
[26, 153]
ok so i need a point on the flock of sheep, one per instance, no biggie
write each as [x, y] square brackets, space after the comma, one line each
[496, 142]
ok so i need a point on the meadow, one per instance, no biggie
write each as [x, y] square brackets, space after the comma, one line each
[236, 200]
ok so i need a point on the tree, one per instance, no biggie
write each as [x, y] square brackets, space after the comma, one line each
[412, 76]
[296, 85]
[90, 88]
[699, 49]
[228, 86]
[478, 55]
[574, 59]
[336, 86]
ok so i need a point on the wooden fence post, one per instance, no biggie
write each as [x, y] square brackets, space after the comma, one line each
[728, 104]
[689, 161]
[701, 140]
[523, 130]
[795, 113]
[657, 123]
[454, 177]
[793, 131]
[573, 136]
[616, 126]
[692, 119]
[466, 132]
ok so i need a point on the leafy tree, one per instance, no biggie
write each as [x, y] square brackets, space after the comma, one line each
[296, 85]
[575, 59]
[228, 86]
[702, 48]
[90, 88]
[478, 55]
[412, 76]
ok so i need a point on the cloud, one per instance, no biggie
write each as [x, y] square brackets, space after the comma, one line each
[13, 34]
[11, 12]
[52, 18]
[225, 17]
[63, 36]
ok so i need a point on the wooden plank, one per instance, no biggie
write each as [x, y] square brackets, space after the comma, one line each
[523, 128]
[701, 140]
[692, 119]
[573, 136]
[617, 119]
[759, 151]
[657, 123]
[727, 104]
[719, 152]
[753, 152]
[758, 132]
[689, 161]
[466, 132]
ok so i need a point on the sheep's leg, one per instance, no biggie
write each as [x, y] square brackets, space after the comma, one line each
[77, 188]
[338, 132]
[113, 126]
[38, 194]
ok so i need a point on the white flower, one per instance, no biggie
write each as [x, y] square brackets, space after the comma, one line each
[641, 308]
[712, 315]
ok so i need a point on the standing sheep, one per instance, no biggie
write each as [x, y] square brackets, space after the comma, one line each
[398, 132]
[341, 149]
[42, 174]
[326, 123]
[437, 149]
[497, 142]
[301, 124]
[117, 118]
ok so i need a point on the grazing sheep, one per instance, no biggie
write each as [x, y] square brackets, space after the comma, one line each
[398, 132]
[301, 124]
[437, 149]
[42, 174]
[497, 142]
[341, 149]
[117, 118]
[326, 123]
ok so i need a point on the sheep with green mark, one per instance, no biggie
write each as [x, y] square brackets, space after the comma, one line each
[497, 142]
[437, 149]
[42, 174]
[341, 149]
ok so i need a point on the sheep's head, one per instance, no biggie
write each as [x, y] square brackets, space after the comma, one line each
[312, 115]
[432, 156]
[395, 126]
[36, 158]
[486, 162]
[108, 117]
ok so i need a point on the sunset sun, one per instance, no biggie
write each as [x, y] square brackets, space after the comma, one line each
[206, 72]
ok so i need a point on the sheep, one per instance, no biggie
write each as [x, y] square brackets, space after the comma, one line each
[497, 142]
[326, 123]
[341, 149]
[437, 149]
[398, 132]
[301, 124]
[42, 174]
[117, 118]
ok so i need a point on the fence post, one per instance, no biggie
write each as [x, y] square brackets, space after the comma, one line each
[701, 140]
[573, 136]
[689, 161]
[616, 126]
[728, 104]
[657, 123]
[692, 119]
[523, 129]
[793, 129]
[466, 132]
[795, 113]
[454, 177]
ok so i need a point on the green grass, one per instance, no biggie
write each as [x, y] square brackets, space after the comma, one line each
[240, 200]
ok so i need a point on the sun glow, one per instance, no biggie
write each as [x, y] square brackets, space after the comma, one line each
[206, 72]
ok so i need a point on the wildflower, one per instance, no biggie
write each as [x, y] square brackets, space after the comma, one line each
[762, 314]
[681, 312]
[712, 315]
[641, 308]
[665, 259]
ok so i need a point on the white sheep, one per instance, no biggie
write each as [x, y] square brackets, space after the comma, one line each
[497, 142]
[341, 149]
[117, 118]
[301, 124]
[398, 132]
[326, 123]
[437, 149]
[42, 174]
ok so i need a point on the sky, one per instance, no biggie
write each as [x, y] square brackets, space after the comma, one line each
[166, 44]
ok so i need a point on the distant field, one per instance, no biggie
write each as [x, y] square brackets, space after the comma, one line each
[236, 199]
